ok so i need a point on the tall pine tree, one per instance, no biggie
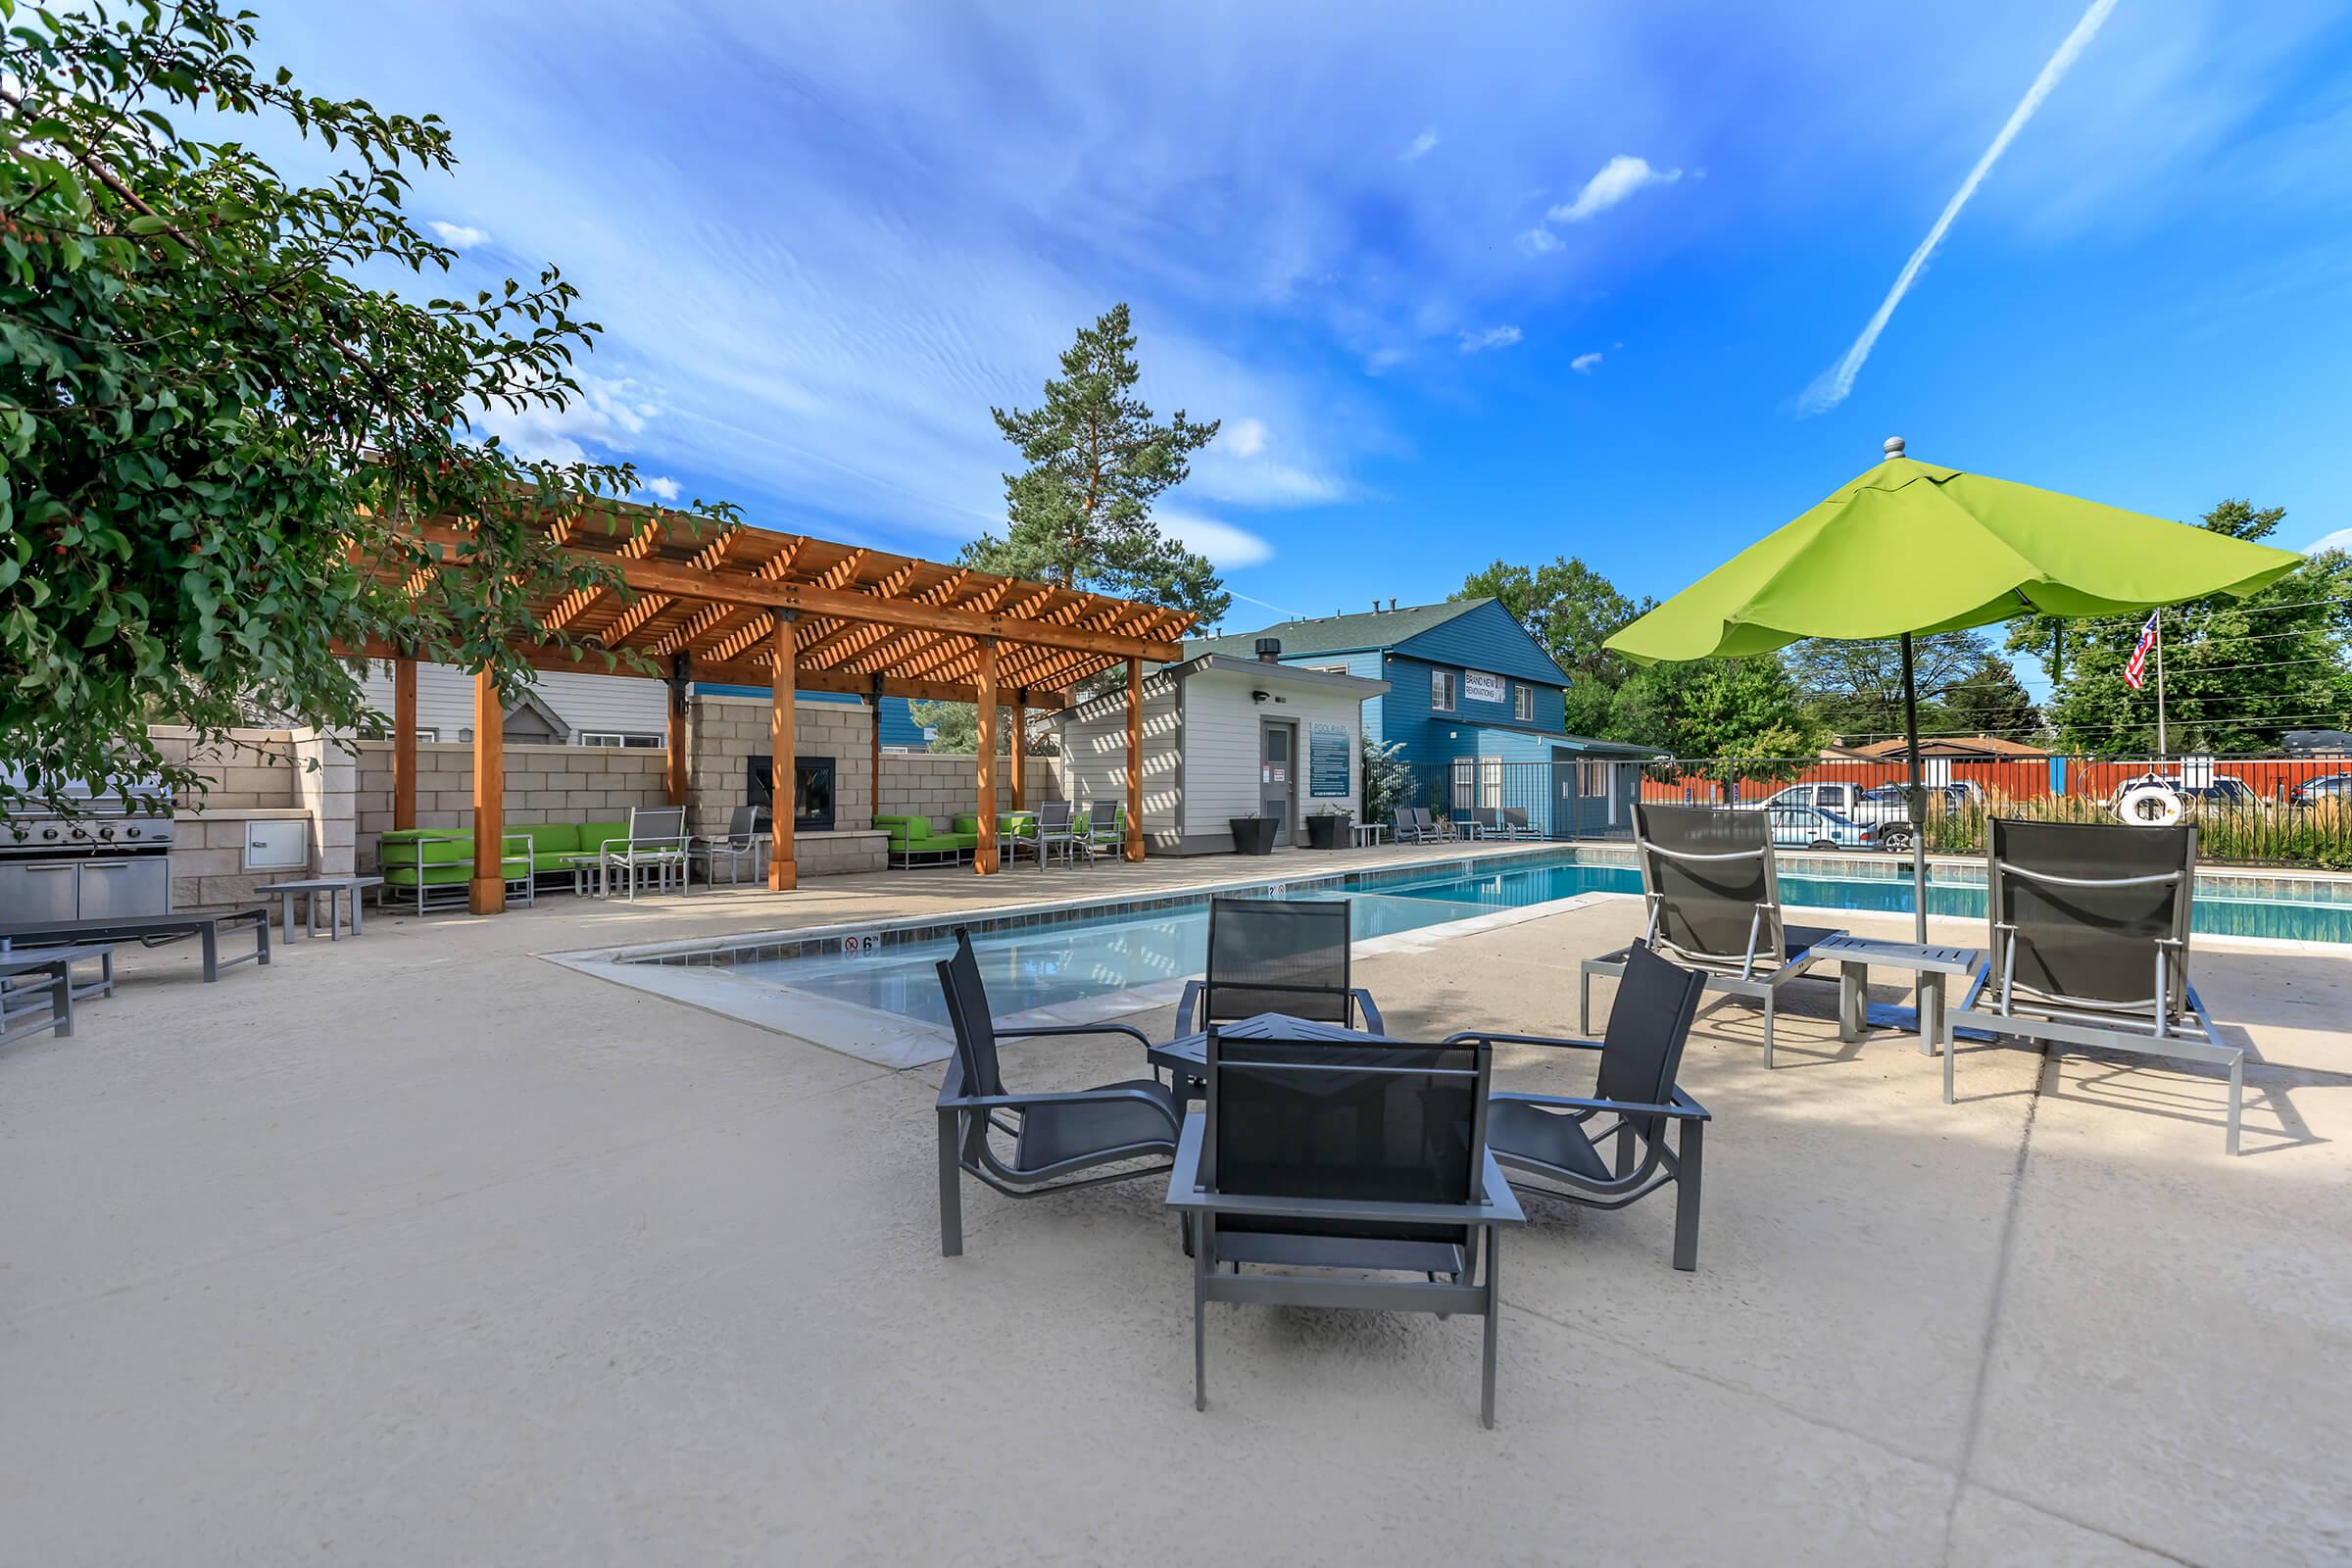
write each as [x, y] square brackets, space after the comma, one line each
[1080, 514]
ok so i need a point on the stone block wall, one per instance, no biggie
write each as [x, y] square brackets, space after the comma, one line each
[943, 786]
[208, 858]
[251, 767]
[544, 784]
[722, 732]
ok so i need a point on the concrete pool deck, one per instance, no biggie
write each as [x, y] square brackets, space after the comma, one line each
[422, 1249]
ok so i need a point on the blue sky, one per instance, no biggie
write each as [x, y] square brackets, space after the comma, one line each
[1464, 282]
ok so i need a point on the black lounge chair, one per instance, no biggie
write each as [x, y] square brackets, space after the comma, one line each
[1713, 894]
[1407, 826]
[1054, 1136]
[2089, 927]
[1547, 1136]
[1288, 956]
[1367, 1159]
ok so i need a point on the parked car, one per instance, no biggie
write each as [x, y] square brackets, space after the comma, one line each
[2326, 787]
[1883, 813]
[2160, 800]
[1811, 827]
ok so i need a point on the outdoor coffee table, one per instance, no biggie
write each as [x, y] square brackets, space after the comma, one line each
[1373, 833]
[1933, 965]
[1187, 1056]
[334, 886]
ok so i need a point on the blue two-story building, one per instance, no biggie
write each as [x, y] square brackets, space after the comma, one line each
[1477, 707]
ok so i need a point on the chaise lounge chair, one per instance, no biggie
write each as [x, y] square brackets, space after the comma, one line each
[2089, 928]
[1547, 1137]
[1713, 894]
[1054, 1136]
[1332, 1163]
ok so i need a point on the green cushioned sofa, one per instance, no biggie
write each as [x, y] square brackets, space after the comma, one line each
[911, 837]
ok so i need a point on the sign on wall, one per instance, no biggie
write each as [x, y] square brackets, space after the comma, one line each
[1481, 687]
[1327, 759]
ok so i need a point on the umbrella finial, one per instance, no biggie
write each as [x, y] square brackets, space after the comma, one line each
[1894, 447]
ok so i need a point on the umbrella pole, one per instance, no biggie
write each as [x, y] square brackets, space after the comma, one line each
[1918, 798]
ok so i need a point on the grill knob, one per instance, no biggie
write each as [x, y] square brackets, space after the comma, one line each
[130, 832]
[78, 833]
[106, 832]
[48, 833]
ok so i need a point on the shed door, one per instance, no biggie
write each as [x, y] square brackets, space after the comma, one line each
[1277, 773]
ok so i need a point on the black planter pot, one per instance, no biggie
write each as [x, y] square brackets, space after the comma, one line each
[1252, 835]
[1323, 830]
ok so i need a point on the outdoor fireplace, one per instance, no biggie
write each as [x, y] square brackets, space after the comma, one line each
[811, 791]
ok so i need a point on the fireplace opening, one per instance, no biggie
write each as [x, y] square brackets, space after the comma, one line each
[812, 792]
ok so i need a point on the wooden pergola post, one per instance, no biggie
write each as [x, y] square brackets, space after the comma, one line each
[984, 856]
[1020, 749]
[1135, 760]
[403, 743]
[677, 730]
[782, 874]
[487, 894]
[874, 743]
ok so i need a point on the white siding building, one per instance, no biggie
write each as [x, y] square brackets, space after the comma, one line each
[563, 708]
[1223, 737]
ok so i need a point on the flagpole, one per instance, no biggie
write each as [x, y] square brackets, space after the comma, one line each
[2161, 748]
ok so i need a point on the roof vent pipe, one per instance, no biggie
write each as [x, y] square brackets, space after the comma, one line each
[1269, 649]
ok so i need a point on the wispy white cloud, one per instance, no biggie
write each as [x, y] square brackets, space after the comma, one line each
[1244, 439]
[1225, 545]
[1831, 387]
[2341, 539]
[659, 485]
[1538, 241]
[1619, 179]
[1493, 338]
[458, 234]
[1585, 364]
[607, 414]
[1420, 146]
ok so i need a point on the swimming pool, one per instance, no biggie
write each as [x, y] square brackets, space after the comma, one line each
[1048, 958]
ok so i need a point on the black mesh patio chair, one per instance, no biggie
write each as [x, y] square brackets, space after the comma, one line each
[1548, 1143]
[1369, 1159]
[1277, 956]
[2089, 944]
[1406, 826]
[1054, 1136]
[1712, 890]
[1049, 830]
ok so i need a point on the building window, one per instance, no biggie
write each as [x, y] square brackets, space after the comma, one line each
[1329, 669]
[1592, 778]
[589, 737]
[1523, 703]
[1441, 691]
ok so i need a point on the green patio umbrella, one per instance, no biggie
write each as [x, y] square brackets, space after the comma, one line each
[1909, 548]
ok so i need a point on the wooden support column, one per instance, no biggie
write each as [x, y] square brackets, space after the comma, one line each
[782, 874]
[984, 857]
[1135, 760]
[487, 894]
[1020, 750]
[403, 743]
[677, 730]
[874, 743]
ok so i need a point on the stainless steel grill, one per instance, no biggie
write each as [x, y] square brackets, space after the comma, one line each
[110, 858]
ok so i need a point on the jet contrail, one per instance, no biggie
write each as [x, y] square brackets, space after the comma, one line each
[1831, 387]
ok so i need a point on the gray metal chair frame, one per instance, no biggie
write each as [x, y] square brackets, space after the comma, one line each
[1406, 825]
[1054, 1136]
[1547, 1137]
[657, 843]
[1050, 830]
[2169, 1021]
[1687, 891]
[1442, 1242]
[740, 844]
[1515, 824]
[1331, 1001]
[1102, 836]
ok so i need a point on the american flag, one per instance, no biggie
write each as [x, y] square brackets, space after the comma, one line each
[2137, 671]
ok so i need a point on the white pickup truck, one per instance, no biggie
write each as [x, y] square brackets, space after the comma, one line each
[1880, 812]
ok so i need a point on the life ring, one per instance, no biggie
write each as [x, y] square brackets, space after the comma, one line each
[2149, 806]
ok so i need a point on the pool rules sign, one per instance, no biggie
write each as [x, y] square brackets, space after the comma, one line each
[1326, 759]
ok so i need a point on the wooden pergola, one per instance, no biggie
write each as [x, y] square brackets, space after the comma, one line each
[743, 606]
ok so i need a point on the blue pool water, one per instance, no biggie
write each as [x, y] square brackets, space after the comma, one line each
[1040, 965]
